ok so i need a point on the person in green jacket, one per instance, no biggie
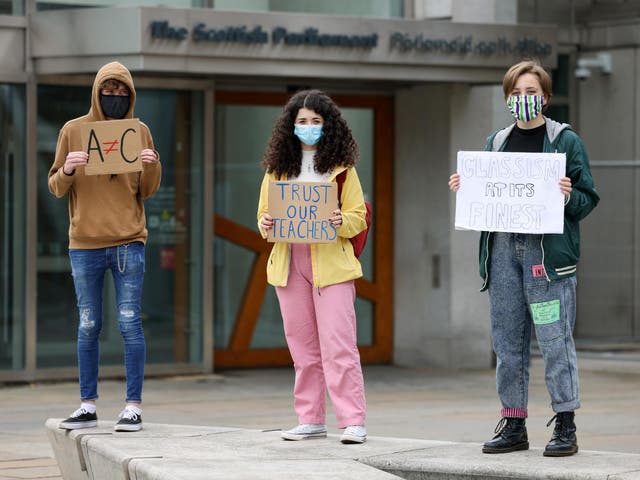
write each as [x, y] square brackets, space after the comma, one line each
[531, 279]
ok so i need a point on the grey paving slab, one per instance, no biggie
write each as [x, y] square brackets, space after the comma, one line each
[175, 452]
[280, 469]
[194, 453]
[465, 461]
[419, 403]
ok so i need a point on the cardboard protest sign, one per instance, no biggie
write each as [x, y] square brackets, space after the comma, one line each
[113, 146]
[510, 192]
[301, 212]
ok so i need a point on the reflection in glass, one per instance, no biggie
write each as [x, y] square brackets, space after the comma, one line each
[12, 226]
[358, 8]
[11, 7]
[360, 121]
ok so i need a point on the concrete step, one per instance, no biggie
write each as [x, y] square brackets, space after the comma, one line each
[178, 452]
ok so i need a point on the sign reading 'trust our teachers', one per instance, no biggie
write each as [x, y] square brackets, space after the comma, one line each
[301, 211]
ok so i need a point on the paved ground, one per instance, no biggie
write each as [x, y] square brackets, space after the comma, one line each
[408, 403]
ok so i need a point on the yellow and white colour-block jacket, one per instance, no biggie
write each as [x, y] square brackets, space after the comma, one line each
[331, 262]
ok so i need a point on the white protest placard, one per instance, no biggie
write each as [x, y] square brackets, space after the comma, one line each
[510, 192]
[113, 146]
[301, 211]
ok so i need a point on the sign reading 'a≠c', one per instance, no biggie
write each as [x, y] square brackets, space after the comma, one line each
[113, 146]
[301, 212]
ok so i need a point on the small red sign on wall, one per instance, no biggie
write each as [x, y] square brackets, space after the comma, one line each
[168, 258]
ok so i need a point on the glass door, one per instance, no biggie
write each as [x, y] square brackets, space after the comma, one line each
[171, 300]
[12, 226]
[247, 324]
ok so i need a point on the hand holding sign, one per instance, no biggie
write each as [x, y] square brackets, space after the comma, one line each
[454, 182]
[148, 156]
[73, 161]
[565, 186]
[336, 220]
[266, 222]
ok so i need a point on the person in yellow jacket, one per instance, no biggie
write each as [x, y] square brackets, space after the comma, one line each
[107, 231]
[312, 142]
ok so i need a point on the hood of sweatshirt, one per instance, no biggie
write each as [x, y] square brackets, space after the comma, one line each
[116, 71]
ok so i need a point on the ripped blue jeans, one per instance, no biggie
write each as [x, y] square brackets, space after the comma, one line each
[521, 299]
[126, 263]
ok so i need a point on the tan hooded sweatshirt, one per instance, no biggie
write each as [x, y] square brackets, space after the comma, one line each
[104, 210]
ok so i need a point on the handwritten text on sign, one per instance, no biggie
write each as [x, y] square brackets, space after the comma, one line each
[113, 146]
[301, 212]
[510, 192]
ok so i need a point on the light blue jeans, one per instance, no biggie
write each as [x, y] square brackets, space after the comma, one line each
[126, 263]
[520, 298]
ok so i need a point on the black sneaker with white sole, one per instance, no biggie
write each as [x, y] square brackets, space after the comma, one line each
[129, 421]
[80, 419]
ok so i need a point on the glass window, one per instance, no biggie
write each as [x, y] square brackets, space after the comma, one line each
[62, 4]
[559, 113]
[238, 175]
[12, 226]
[172, 292]
[358, 8]
[11, 7]
[561, 76]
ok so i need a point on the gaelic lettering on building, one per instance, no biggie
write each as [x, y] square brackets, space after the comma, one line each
[398, 42]
[524, 46]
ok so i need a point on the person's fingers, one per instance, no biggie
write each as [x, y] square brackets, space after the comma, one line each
[565, 185]
[77, 157]
[454, 182]
[266, 222]
[148, 156]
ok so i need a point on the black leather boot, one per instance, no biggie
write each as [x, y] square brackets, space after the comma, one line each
[511, 435]
[563, 441]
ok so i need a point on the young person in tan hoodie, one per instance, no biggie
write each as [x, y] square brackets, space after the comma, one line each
[107, 231]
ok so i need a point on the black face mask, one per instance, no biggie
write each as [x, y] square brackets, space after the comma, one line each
[114, 106]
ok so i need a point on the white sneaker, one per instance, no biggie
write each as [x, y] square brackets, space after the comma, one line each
[129, 421]
[305, 431]
[354, 434]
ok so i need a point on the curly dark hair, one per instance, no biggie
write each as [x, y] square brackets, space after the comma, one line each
[335, 148]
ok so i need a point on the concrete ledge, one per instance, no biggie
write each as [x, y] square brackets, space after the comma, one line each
[177, 452]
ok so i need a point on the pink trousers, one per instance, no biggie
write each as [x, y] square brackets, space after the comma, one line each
[320, 326]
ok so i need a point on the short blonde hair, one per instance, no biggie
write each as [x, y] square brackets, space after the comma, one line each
[519, 69]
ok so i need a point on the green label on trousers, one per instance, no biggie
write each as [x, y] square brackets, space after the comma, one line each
[545, 312]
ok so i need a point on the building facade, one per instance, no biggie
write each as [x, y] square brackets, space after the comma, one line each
[417, 81]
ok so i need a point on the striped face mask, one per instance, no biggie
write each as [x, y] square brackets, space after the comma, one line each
[525, 107]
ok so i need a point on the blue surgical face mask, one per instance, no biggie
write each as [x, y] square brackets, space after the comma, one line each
[308, 134]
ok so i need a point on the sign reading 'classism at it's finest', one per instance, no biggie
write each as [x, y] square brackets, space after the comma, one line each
[510, 192]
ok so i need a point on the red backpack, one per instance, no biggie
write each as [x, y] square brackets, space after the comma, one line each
[360, 239]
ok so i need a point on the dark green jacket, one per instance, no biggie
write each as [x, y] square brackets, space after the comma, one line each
[560, 252]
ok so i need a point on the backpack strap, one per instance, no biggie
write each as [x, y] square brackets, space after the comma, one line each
[340, 178]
